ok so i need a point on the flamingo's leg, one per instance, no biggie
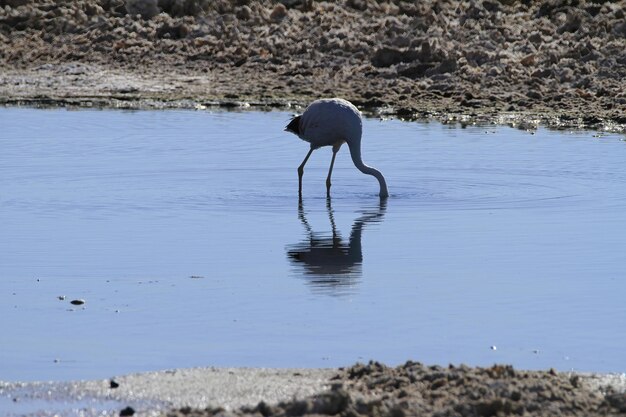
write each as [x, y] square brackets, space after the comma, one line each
[330, 170]
[301, 171]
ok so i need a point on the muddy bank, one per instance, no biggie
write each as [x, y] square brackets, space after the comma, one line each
[556, 62]
[417, 390]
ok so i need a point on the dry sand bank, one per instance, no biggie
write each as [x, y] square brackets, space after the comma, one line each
[557, 62]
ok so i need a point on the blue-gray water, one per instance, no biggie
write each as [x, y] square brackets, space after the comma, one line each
[183, 233]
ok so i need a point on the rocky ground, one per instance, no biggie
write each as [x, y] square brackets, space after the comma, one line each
[417, 390]
[557, 62]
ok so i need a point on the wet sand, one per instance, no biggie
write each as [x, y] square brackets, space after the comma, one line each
[556, 62]
[153, 393]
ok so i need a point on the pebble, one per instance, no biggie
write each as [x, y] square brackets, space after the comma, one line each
[528, 60]
[279, 12]
[244, 13]
[128, 411]
[78, 302]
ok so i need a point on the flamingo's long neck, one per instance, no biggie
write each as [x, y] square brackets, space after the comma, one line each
[355, 153]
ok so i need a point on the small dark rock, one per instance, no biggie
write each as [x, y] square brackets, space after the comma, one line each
[619, 29]
[618, 401]
[178, 8]
[591, 120]
[265, 409]
[78, 302]
[175, 31]
[542, 73]
[128, 411]
[113, 384]
[386, 57]
[528, 60]
[493, 407]
[146, 8]
[13, 3]
[417, 70]
[357, 4]
[535, 95]
[446, 66]
[491, 6]
[478, 56]
[549, 6]
[438, 383]
[298, 408]
[536, 38]
[244, 13]
[572, 24]
[278, 13]
[406, 112]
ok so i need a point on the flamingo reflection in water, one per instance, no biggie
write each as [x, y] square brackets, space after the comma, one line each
[331, 264]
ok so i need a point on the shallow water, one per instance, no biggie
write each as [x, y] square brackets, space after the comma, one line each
[183, 232]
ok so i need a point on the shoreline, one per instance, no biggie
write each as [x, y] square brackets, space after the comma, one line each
[555, 64]
[48, 88]
[363, 389]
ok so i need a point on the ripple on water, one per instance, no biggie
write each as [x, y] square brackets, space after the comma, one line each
[506, 239]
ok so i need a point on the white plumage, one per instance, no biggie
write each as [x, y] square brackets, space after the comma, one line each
[333, 122]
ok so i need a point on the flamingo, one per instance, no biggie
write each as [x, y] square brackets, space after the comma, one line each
[333, 122]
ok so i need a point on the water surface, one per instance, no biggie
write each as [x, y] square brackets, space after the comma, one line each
[184, 234]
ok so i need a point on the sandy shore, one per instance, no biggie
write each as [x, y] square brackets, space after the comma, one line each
[153, 393]
[368, 390]
[557, 62]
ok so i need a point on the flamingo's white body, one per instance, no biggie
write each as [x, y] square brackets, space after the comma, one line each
[333, 122]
